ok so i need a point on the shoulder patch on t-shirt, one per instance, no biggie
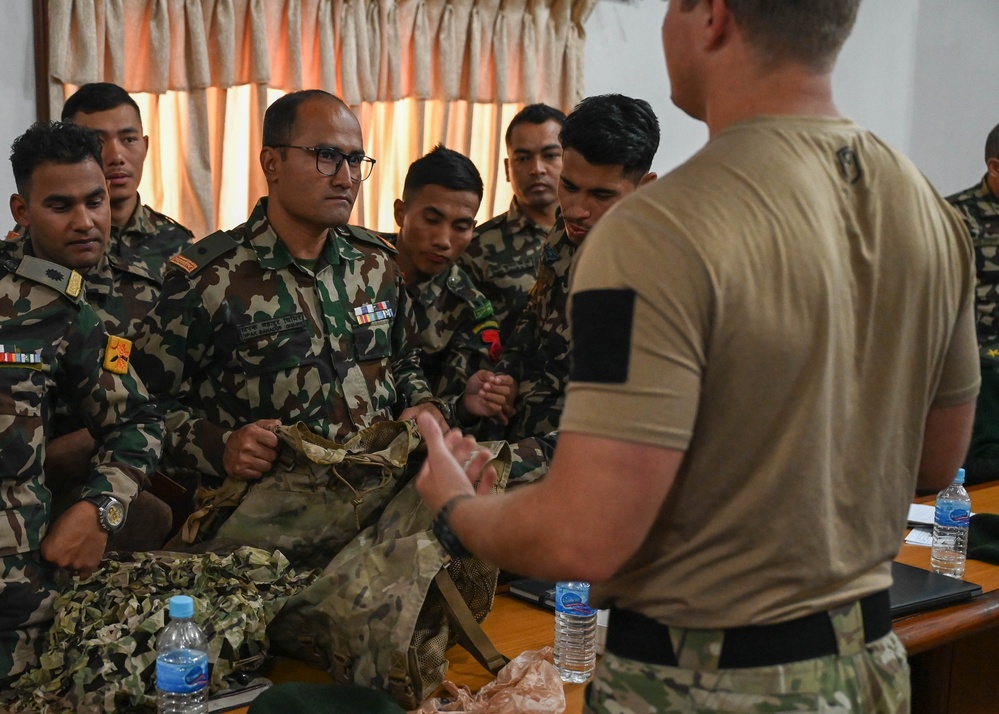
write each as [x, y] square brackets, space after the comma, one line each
[602, 322]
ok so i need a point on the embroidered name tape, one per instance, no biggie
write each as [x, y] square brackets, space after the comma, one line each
[284, 323]
[374, 311]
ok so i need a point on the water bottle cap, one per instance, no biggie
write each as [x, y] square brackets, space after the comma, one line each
[181, 606]
[960, 476]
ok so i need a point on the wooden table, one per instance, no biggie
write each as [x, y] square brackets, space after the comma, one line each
[954, 651]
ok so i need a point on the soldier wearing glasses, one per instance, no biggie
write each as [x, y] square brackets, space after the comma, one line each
[292, 316]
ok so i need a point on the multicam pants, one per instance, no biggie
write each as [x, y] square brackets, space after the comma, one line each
[862, 679]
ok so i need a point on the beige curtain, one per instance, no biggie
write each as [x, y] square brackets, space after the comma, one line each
[417, 72]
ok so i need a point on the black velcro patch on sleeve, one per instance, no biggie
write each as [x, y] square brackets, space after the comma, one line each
[601, 335]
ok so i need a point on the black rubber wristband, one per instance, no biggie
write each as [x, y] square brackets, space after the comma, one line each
[442, 529]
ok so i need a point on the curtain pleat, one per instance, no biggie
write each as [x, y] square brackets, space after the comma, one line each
[452, 66]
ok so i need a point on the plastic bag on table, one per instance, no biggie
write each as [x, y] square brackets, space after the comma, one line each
[529, 683]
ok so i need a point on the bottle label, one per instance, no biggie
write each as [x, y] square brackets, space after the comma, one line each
[184, 677]
[572, 602]
[951, 513]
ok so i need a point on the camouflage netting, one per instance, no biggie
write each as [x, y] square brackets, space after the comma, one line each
[100, 653]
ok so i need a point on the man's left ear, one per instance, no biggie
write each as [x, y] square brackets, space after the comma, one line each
[993, 167]
[648, 178]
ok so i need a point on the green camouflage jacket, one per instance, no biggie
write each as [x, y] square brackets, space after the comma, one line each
[458, 334]
[120, 290]
[52, 343]
[980, 209]
[241, 332]
[537, 353]
[502, 261]
[148, 241]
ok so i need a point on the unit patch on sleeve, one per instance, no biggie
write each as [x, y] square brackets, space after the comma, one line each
[601, 335]
[117, 354]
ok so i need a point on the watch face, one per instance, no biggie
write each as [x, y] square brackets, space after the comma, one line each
[114, 514]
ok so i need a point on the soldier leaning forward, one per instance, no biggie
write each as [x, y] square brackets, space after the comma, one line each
[53, 345]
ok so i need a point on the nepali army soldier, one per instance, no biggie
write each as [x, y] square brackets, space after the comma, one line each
[979, 206]
[458, 333]
[290, 317]
[63, 209]
[53, 345]
[596, 174]
[143, 240]
[503, 258]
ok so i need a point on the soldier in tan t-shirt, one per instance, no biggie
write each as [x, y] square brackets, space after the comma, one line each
[756, 391]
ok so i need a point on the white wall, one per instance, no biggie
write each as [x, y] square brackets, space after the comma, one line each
[17, 89]
[956, 99]
[920, 73]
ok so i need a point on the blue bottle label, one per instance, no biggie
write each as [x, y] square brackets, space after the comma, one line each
[572, 602]
[952, 513]
[188, 672]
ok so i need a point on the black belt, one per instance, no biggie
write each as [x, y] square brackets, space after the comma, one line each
[640, 638]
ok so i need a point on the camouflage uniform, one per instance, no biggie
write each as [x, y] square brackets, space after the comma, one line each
[980, 209]
[52, 342]
[242, 332]
[458, 333]
[876, 674]
[148, 241]
[502, 260]
[537, 353]
[120, 289]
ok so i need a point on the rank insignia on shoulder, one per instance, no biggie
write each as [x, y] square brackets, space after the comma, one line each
[374, 311]
[16, 358]
[117, 354]
[75, 285]
[185, 264]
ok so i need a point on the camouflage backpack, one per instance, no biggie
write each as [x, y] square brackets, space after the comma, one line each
[389, 602]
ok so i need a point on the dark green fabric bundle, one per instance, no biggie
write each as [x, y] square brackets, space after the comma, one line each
[983, 537]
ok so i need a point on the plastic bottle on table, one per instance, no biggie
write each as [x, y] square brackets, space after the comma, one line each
[575, 632]
[181, 662]
[950, 529]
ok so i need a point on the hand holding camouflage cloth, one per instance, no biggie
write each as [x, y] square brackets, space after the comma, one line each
[52, 343]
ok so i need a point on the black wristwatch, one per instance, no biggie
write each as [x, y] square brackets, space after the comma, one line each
[110, 512]
[442, 529]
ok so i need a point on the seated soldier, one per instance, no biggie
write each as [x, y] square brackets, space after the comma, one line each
[53, 345]
[502, 259]
[290, 317]
[608, 143]
[63, 210]
[142, 239]
[436, 215]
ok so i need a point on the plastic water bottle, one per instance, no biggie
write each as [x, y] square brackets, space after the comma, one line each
[950, 529]
[181, 662]
[575, 632]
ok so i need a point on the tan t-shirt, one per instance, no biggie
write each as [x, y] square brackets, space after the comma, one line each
[802, 298]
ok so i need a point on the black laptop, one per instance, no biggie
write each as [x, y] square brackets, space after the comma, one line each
[912, 590]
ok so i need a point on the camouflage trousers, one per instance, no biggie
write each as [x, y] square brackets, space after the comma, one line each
[27, 593]
[864, 678]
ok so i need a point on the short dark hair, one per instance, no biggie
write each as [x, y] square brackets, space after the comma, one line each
[612, 129]
[811, 32]
[992, 144]
[279, 119]
[51, 142]
[97, 97]
[443, 167]
[534, 114]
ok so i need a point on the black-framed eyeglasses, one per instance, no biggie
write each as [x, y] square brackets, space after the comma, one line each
[329, 159]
